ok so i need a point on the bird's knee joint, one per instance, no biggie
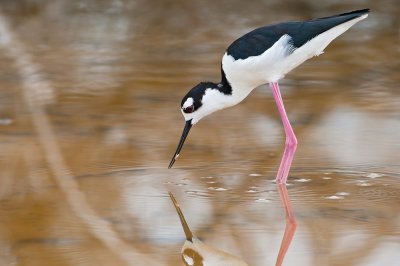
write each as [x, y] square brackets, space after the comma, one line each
[291, 143]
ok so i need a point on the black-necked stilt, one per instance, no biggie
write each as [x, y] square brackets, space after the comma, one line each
[261, 56]
[195, 252]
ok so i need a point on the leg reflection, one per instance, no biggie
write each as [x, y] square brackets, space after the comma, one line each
[290, 227]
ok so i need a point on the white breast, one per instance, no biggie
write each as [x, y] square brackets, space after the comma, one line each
[247, 74]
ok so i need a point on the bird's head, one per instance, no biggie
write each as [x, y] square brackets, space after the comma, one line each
[202, 100]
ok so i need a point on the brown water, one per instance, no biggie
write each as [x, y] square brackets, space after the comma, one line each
[89, 119]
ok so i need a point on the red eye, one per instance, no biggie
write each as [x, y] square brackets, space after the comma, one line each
[188, 109]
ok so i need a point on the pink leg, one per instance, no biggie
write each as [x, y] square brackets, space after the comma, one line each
[291, 141]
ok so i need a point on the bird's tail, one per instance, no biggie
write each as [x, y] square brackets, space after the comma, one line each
[359, 12]
[350, 15]
[186, 229]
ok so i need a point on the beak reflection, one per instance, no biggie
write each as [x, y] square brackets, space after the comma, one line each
[195, 252]
[185, 132]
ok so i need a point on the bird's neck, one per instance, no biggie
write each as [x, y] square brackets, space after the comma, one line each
[224, 87]
[217, 97]
[236, 92]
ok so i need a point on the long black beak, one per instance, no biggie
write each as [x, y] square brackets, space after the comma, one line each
[185, 132]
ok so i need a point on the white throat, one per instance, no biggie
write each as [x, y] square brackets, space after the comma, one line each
[212, 101]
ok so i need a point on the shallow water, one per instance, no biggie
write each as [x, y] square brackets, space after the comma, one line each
[89, 119]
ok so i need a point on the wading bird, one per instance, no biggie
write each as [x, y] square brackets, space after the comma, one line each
[264, 55]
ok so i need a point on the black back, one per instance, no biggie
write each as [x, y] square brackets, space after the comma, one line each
[259, 40]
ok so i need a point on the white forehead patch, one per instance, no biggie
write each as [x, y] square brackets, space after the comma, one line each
[188, 102]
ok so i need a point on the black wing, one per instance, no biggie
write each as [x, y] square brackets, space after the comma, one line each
[259, 40]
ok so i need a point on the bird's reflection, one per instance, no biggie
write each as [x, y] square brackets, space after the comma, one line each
[196, 253]
[290, 227]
